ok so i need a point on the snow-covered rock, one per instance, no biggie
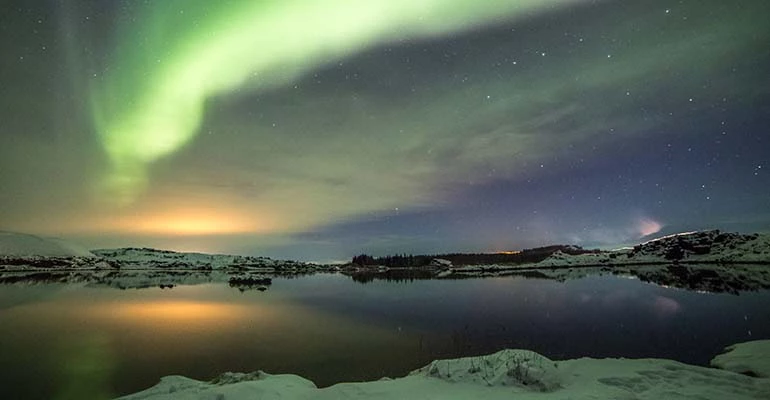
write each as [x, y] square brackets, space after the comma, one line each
[440, 263]
[749, 358]
[692, 247]
[507, 374]
[707, 246]
[522, 368]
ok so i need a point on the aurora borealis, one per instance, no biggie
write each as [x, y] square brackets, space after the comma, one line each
[183, 52]
[319, 129]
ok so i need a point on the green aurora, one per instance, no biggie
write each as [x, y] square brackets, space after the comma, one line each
[184, 52]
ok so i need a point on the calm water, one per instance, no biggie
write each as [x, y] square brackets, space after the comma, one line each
[59, 341]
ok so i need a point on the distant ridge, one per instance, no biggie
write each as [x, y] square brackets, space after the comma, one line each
[13, 244]
[713, 246]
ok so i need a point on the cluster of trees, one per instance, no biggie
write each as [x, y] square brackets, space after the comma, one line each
[400, 260]
[524, 256]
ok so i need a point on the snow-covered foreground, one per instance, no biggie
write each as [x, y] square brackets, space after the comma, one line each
[509, 374]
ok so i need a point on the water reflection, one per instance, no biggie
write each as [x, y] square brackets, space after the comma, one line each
[62, 341]
[94, 343]
[162, 313]
[88, 367]
[666, 306]
[732, 278]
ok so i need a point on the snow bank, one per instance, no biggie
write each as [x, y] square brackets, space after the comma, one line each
[749, 358]
[507, 374]
[24, 245]
[257, 385]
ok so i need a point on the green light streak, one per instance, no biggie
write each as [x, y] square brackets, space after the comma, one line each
[179, 53]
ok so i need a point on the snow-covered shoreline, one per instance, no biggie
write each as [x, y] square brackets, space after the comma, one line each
[710, 261]
[508, 374]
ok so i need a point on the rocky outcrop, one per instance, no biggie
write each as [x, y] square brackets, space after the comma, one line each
[714, 245]
[706, 247]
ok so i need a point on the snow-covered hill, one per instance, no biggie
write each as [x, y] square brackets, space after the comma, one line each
[22, 252]
[23, 245]
[692, 247]
[144, 258]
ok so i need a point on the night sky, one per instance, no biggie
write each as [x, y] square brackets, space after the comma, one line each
[319, 129]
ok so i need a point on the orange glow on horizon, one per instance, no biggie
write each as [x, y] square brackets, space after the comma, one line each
[191, 225]
[191, 222]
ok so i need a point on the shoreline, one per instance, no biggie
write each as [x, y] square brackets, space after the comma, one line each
[717, 277]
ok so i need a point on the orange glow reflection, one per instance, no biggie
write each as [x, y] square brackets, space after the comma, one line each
[179, 311]
[179, 315]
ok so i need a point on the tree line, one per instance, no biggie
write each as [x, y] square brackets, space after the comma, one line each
[415, 261]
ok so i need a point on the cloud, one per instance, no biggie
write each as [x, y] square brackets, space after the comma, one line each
[648, 226]
[625, 231]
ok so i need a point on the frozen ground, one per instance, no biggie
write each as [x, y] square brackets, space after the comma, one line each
[507, 374]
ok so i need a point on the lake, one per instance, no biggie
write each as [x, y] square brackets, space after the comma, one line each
[62, 341]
